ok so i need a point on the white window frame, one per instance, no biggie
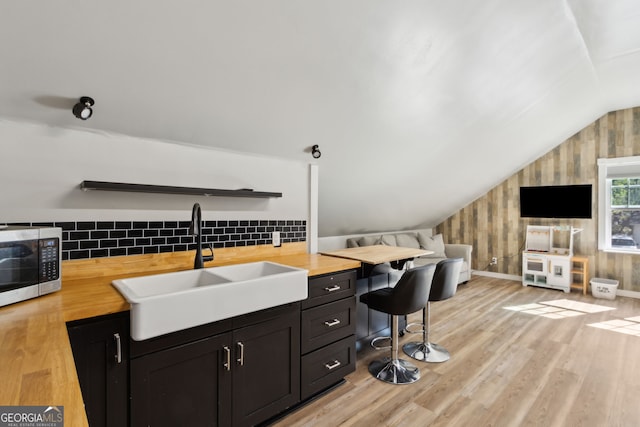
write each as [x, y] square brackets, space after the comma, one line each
[608, 169]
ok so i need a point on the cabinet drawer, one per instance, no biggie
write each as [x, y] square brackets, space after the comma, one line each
[328, 323]
[331, 287]
[325, 367]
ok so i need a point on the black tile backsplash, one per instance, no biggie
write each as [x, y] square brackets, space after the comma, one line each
[95, 239]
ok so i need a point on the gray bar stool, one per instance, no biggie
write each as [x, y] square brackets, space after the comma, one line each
[408, 296]
[444, 285]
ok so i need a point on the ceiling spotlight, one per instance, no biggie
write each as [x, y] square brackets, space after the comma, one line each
[315, 152]
[82, 109]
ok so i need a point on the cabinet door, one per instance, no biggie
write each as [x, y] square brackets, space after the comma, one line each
[559, 272]
[187, 385]
[534, 264]
[362, 311]
[101, 353]
[266, 369]
[379, 322]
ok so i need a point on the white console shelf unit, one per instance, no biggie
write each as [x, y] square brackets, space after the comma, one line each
[544, 264]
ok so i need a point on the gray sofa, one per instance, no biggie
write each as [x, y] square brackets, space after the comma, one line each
[419, 240]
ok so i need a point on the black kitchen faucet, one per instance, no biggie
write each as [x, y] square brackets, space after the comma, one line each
[195, 229]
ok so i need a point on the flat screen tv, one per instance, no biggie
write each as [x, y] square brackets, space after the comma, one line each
[556, 201]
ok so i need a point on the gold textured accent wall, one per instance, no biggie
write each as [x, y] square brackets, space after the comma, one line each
[492, 223]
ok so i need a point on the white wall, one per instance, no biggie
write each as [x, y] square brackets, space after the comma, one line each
[41, 168]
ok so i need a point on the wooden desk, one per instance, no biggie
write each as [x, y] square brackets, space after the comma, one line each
[378, 254]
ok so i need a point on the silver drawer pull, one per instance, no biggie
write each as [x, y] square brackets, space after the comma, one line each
[331, 323]
[332, 288]
[332, 366]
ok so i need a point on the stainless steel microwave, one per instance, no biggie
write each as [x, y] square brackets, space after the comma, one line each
[30, 262]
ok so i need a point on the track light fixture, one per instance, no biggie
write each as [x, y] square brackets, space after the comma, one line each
[82, 109]
[315, 152]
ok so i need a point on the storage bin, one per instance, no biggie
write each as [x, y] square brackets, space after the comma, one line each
[603, 288]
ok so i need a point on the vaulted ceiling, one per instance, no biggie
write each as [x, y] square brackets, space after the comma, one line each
[418, 107]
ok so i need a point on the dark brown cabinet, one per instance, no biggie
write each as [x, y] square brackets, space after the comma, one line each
[186, 385]
[242, 371]
[266, 365]
[100, 348]
[240, 377]
[328, 323]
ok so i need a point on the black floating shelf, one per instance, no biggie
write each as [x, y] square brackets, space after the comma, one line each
[168, 189]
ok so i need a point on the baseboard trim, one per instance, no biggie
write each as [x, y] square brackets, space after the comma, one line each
[628, 294]
[497, 275]
[619, 292]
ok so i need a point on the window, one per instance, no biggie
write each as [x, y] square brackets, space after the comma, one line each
[619, 204]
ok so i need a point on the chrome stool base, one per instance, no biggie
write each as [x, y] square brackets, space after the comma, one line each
[428, 352]
[394, 371]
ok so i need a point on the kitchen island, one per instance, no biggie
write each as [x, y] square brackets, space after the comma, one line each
[36, 361]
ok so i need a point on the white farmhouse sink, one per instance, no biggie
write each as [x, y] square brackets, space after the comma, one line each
[164, 303]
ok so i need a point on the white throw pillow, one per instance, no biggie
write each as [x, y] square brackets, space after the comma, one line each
[369, 241]
[388, 240]
[432, 243]
[407, 241]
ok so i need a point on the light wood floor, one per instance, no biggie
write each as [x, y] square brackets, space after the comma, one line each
[508, 368]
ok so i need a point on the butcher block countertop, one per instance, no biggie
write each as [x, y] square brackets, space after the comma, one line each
[36, 362]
